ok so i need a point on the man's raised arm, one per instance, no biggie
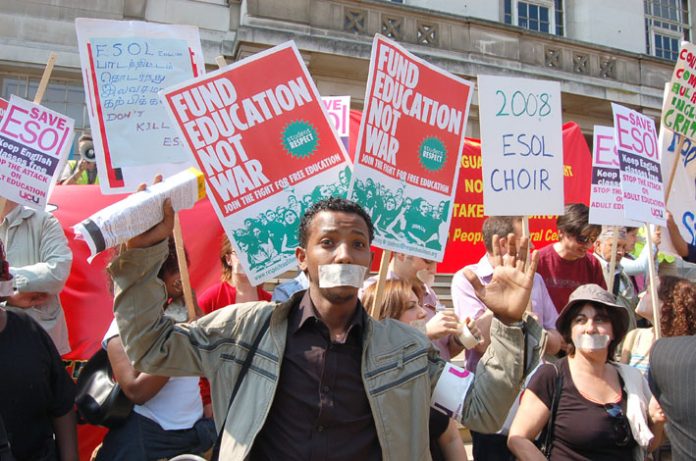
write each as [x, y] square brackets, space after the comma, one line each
[152, 342]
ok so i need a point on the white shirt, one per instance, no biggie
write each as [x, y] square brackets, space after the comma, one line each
[176, 406]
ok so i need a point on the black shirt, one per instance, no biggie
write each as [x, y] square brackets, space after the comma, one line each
[34, 387]
[584, 430]
[320, 410]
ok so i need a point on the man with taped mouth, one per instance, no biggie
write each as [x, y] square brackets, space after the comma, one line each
[349, 387]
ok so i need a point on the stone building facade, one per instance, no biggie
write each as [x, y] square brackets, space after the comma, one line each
[601, 52]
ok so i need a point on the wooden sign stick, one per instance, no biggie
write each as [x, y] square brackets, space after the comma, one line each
[181, 254]
[220, 61]
[183, 269]
[672, 174]
[375, 310]
[653, 284]
[612, 260]
[526, 233]
[43, 84]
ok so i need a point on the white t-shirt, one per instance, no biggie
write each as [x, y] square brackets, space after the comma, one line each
[176, 406]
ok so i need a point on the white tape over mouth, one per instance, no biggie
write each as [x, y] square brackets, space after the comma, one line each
[341, 275]
[591, 342]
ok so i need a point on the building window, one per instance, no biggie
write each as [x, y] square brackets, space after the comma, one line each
[666, 25]
[538, 15]
[65, 97]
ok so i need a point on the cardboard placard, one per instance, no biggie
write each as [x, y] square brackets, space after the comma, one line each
[34, 144]
[639, 161]
[125, 64]
[521, 146]
[407, 155]
[606, 197]
[678, 114]
[260, 134]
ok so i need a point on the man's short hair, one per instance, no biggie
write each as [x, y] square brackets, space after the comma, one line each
[575, 220]
[497, 225]
[332, 204]
[85, 137]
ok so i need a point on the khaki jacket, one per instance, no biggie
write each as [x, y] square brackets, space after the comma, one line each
[40, 260]
[399, 367]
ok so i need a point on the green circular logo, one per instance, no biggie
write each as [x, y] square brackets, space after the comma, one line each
[432, 154]
[300, 139]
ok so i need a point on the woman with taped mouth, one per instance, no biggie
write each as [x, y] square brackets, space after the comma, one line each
[588, 407]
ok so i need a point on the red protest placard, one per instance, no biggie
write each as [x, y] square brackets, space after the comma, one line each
[259, 132]
[408, 149]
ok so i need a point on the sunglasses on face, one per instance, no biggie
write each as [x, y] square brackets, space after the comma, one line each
[584, 239]
[622, 433]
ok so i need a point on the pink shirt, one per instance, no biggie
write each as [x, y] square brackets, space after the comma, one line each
[467, 304]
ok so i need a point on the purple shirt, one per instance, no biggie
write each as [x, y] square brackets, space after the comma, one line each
[467, 304]
[429, 297]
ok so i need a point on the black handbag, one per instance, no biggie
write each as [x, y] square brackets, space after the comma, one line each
[99, 398]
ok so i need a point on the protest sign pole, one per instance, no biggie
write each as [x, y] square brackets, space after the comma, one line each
[673, 171]
[220, 61]
[653, 286]
[375, 310]
[612, 260]
[180, 252]
[43, 84]
[525, 233]
[183, 269]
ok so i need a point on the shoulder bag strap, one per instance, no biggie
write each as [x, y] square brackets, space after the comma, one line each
[548, 440]
[237, 385]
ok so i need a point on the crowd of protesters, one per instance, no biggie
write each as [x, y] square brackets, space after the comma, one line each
[554, 352]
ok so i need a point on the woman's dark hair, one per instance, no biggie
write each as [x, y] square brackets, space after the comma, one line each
[610, 312]
[575, 220]
[171, 264]
[332, 204]
[678, 313]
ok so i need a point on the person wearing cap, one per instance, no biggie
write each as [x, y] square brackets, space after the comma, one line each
[619, 418]
[83, 171]
[566, 264]
[622, 287]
